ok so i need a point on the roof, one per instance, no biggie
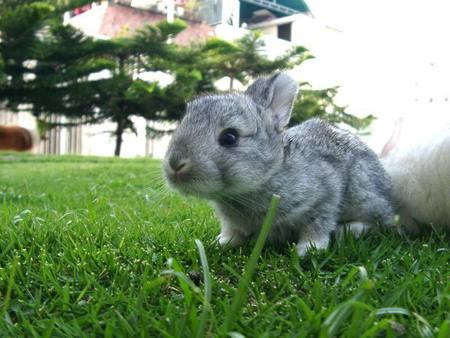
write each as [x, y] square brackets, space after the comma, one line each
[125, 20]
[277, 22]
[278, 7]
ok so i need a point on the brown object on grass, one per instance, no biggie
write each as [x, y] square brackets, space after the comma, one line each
[15, 138]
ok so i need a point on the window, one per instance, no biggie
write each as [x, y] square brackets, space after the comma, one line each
[284, 31]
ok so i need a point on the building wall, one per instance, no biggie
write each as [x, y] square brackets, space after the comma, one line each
[90, 21]
[21, 119]
[323, 43]
[9, 119]
[269, 30]
[99, 140]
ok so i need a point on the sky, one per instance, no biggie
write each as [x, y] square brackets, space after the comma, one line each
[401, 25]
[392, 58]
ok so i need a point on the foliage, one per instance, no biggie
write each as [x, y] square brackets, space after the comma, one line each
[243, 59]
[23, 27]
[60, 76]
[46, 63]
[95, 247]
[2, 74]
[127, 95]
[321, 103]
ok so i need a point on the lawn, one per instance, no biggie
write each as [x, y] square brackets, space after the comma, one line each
[99, 247]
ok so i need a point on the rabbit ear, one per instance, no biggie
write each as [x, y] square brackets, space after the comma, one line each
[394, 140]
[278, 93]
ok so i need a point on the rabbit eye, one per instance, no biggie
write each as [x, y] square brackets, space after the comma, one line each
[229, 138]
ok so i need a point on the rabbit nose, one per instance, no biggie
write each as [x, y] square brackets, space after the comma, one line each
[179, 166]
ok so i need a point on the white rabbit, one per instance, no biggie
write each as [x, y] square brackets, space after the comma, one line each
[420, 172]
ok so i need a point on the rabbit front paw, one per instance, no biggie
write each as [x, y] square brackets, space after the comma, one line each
[304, 245]
[231, 239]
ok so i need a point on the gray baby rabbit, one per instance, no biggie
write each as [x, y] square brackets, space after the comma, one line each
[233, 149]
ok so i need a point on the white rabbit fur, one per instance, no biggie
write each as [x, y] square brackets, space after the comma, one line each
[420, 172]
[326, 177]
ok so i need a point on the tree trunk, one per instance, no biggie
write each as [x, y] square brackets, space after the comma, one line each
[119, 134]
[231, 82]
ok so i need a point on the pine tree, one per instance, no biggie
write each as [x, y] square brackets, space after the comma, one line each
[24, 26]
[2, 74]
[123, 94]
[322, 103]
[61, 73]
[243, 59]
[128, 95]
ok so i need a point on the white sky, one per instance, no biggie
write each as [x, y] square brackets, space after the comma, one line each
[393, 52]
[399, 24]
[392, 42]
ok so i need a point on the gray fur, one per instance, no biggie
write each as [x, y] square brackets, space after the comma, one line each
[326, 177]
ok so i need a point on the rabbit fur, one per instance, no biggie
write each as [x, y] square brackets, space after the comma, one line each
[326, 177]
[420, 174]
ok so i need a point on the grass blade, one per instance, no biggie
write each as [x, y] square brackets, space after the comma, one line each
[241, 292]
[392, 311]
[10, 285]
[208, 289]
[444, 330]
[423, 326]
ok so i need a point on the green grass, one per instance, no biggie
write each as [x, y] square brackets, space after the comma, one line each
[97, 247]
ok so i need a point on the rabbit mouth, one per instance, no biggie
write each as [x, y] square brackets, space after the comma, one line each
[183, 183]
[192, 185]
